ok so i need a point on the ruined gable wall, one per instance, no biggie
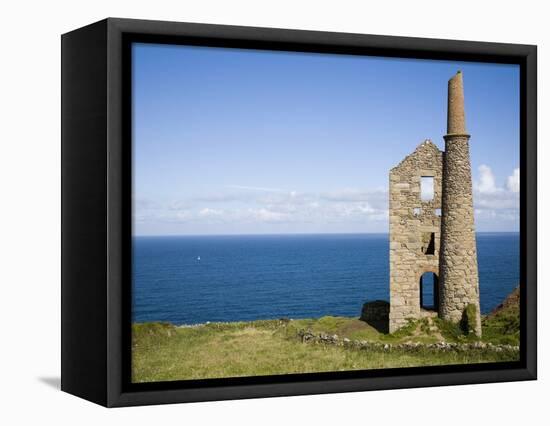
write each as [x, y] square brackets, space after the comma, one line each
[408, 230]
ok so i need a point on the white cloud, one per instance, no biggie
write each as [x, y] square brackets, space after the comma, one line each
[496, 215]
[494, 204]
[346, 206]
[254, 188]
[142, 203]
[171, 216]
[496, 200]
[220, 197]
[512, 183]
[265, 215]
[348, 209]
[377, 198]
[179, 205]
[284, 198]
[208, 212]
[486, 184]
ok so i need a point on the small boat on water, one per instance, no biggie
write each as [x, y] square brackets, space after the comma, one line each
[198, 258]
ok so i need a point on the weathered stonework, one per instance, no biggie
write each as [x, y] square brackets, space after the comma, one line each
[458, 263]
[435, 235]
[413, 225]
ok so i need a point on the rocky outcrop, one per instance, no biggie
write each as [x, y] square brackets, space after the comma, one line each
[511, 302]
[377, 310]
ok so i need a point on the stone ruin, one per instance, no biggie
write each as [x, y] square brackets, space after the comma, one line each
[432, 232]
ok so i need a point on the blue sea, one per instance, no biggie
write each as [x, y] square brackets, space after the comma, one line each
[195, 279]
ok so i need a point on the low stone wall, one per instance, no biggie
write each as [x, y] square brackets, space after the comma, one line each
[307, 336]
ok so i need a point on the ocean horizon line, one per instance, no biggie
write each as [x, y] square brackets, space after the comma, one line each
[289, 234]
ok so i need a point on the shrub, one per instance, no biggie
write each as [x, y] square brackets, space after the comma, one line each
[449, 330]
[468, 321]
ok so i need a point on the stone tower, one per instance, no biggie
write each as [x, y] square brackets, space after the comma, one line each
[458, 259]
[432, 236]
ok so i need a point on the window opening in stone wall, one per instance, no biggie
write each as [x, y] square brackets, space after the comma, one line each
[428, 243]
[437, 212]
[429, 292]
[427, 188]
[417, 211]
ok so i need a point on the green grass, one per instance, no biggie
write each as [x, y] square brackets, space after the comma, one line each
[502, 327]
[163, 352]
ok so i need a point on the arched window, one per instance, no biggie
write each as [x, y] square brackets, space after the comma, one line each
[429, 292]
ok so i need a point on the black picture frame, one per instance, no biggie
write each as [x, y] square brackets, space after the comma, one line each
[96, 211]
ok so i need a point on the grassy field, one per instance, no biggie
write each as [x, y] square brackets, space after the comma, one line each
[164, 352]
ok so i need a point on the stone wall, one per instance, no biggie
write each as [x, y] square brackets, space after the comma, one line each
[412, 221]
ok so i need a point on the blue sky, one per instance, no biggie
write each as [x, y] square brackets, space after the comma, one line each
[233, 141]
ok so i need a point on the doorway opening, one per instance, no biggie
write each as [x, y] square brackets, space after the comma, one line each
[429, 292]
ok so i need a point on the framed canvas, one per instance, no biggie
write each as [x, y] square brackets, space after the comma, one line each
[255, 212]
